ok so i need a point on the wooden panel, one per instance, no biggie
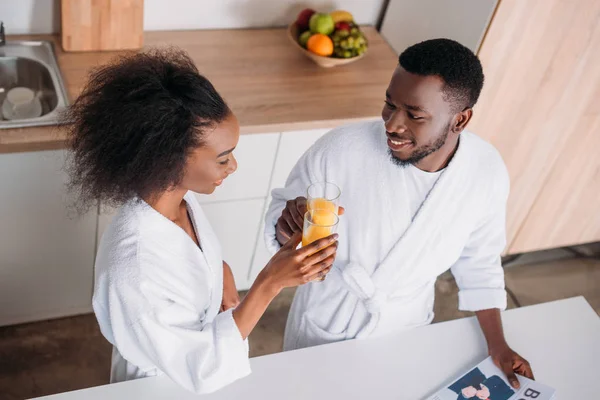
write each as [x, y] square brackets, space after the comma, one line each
[567, 210]
[541, 78]
[89, 25]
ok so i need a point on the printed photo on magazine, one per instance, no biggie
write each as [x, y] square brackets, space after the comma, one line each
[487, 382]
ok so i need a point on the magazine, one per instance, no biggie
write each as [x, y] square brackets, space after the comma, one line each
[488, 382]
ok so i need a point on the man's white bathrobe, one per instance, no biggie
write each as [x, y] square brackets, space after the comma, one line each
[391, 252]
[157, 297]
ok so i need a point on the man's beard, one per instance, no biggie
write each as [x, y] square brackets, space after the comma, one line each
[421, 152]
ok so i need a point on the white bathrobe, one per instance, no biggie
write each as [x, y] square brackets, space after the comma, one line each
[388, 260]
[157, 297]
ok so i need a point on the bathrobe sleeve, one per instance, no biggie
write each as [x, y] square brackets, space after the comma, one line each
[155, 331]
[478, 272]
[296, 185]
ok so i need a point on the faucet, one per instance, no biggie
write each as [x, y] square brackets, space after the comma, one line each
[2, 37]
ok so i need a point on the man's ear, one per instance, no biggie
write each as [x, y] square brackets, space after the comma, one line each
[461, 120]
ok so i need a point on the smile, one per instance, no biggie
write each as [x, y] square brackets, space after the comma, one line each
[397, 145]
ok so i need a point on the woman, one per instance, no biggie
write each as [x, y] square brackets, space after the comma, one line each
[147, 131]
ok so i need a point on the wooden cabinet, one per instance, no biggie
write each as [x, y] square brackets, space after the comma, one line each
[540, 107]
[46, 251]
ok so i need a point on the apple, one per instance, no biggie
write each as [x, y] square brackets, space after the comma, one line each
[342, 26]
[304, 18]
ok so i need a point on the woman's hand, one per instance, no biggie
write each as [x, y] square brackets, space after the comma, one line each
[291, 267]
[288, 268]
[231, 298]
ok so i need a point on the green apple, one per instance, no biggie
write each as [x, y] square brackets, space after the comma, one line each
[321, 23]
[303, 39]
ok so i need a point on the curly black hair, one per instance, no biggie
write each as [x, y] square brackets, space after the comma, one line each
[458, 66]
[134, 125]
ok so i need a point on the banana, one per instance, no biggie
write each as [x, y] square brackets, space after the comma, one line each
[340, 15]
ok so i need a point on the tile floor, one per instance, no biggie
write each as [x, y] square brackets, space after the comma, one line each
[70, 353]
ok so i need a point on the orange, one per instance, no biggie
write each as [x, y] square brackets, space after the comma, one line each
[320, 44]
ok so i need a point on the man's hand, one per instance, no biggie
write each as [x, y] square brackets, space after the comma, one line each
[510, 363]
[502, 355]
[292, 219]
[231, 298]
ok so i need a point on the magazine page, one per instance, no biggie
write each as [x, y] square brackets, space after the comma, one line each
[488, 382]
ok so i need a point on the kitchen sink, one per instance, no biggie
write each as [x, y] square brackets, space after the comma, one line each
[32, 65]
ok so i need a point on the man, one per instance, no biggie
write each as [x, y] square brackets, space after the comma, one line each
[421, 195]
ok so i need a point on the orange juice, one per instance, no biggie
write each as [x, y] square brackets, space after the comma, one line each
[322, 204]
[318, 223]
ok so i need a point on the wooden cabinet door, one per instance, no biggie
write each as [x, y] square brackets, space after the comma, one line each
[567, 210]
[542, 72]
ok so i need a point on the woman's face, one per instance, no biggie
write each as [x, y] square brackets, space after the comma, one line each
[212, 163]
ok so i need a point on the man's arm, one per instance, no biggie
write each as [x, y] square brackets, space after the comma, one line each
[503, 356]
[480, 278]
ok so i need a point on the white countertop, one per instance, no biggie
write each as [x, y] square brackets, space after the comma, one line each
[561, 340]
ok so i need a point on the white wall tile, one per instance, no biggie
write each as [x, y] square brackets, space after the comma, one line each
[255, 155]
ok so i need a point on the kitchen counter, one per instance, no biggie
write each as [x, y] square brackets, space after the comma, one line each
[561, 340]
[269, 84]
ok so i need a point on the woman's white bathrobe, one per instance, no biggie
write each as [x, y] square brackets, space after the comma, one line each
[157, 298]
[388, 260]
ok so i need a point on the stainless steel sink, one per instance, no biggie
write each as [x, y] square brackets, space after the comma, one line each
[32, 65]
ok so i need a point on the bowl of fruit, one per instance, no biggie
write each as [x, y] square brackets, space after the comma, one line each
[328, 39]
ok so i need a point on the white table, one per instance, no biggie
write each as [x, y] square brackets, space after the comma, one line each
[561, 340]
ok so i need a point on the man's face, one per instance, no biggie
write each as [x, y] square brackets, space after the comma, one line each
[417, 117]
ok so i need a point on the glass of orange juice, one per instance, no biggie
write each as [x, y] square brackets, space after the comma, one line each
[318, 224]
[323, 196]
